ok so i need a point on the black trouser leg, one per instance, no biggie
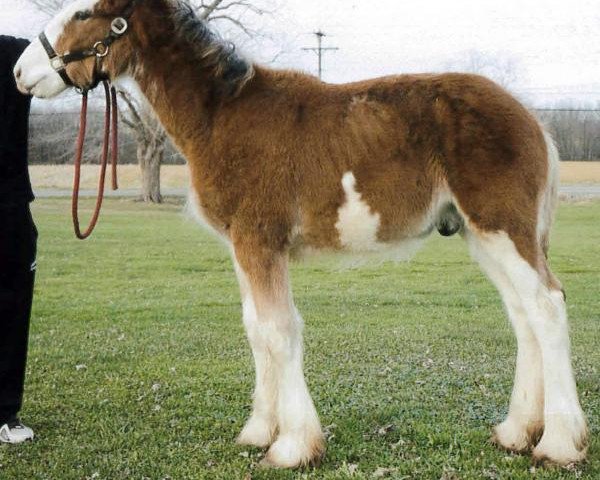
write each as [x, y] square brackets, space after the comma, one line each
[18, 238]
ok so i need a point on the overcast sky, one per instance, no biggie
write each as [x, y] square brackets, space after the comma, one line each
[552, 47]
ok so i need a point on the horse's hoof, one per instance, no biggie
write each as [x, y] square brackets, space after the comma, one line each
[290, 451]
[516, 437]
[257, 433]
[564, 440]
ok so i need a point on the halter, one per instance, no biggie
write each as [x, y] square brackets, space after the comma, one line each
[59, 63]
[99, 50]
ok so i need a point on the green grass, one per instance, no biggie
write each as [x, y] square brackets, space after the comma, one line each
[139, 366]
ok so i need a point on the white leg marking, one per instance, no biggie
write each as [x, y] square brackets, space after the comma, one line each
[261, 427]
[565, 433]
[281, 400]
[565, 430]
[300, 438]
[525, 418]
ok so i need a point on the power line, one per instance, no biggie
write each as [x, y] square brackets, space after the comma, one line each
[319, 50]
[64, 112]
[566, 109]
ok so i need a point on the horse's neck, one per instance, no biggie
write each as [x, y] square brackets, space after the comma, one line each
[179, 93]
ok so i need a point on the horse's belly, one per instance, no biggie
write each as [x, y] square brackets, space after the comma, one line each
[401, 250]
[359, 233]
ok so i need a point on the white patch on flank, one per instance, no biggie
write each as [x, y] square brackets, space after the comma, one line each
[36, 75]
[357, 224]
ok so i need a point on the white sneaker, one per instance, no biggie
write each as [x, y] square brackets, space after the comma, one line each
[15, 432]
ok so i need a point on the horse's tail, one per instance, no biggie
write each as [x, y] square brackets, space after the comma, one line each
[549, 196]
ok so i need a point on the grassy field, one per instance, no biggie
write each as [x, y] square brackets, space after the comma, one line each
[139, 368]
[176, 176]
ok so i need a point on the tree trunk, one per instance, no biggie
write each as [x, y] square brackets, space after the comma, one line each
[150, 157]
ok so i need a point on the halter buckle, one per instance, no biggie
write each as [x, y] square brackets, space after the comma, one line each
[101, 49]
[57, 63]
[119, 26]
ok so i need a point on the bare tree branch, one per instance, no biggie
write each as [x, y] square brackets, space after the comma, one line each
[224, 10]
[241, 3]
[207, 10]
[131, 104]
[235, 21]
[127, 122]
[504, 70]
[49, 7]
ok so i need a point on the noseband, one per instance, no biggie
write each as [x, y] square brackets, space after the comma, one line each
[59, 63]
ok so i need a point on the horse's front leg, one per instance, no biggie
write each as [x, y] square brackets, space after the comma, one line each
[282, 403]
[261, 428]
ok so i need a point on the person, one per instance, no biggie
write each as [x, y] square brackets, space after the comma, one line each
[18, 239]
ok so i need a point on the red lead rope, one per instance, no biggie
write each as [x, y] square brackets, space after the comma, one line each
[111, 101]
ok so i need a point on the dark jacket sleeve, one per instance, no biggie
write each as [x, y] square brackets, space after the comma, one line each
[15, 186]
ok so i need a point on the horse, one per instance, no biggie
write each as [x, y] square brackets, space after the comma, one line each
[283, 165]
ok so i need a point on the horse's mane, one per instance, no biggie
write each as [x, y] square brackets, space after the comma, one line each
[210, 50]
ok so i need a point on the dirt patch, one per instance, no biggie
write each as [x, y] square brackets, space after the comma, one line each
[579, 172]
[176, 176]
[60, 177]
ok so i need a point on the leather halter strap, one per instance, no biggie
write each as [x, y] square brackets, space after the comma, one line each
[100, 49]
[57, 62]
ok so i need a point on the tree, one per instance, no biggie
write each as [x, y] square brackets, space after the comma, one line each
[504, 70]
[49, 7]
[232, 11]
[151, 141]
[575, 128]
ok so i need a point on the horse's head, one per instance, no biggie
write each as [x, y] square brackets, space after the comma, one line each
[85, 43]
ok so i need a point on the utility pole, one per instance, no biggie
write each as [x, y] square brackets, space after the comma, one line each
[319, 50]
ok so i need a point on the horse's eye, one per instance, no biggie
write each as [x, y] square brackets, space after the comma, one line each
[82, 15]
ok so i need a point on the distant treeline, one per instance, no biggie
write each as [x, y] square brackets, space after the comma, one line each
[576, 132]
[52, 136]
[52, 139]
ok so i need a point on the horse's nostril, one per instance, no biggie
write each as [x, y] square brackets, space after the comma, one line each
[18, 73]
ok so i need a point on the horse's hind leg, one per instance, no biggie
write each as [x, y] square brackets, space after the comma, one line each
[276, 338]
[539, 300]
[525, 420]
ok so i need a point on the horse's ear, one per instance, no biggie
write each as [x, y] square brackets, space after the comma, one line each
[114, 5]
